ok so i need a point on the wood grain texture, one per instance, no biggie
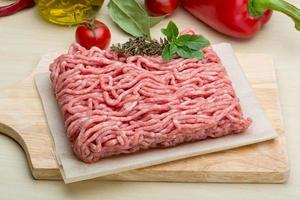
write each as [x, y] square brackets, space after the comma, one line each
[22, 118]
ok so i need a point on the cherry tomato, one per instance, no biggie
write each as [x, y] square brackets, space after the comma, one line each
[93, 33]
[161, 7]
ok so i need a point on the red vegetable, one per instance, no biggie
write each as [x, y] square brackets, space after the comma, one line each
[161, 7]
[93, 33]
[15, 7]
[239, 18]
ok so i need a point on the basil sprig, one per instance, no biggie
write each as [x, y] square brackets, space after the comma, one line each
[186, 46]
[132, 17]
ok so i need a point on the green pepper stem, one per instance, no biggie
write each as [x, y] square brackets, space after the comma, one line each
[258, 7]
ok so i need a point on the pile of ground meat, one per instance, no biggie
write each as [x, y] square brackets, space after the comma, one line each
[118, 105]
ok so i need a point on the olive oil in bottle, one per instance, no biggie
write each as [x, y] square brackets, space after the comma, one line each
[68, 12]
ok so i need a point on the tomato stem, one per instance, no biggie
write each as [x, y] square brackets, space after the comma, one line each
[92, 25]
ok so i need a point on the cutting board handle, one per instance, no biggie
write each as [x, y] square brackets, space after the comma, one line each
[22, 118]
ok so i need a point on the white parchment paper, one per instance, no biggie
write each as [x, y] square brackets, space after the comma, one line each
[74, 170]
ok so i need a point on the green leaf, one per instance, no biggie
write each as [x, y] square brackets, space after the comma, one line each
[130, 16]
[173, 49]
[155, 20]
[195, 42]
[186, 52]
[182, 40]
[171, 32]
[169, 51]
[197, 54]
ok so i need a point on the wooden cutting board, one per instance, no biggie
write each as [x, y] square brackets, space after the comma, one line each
[22, 118]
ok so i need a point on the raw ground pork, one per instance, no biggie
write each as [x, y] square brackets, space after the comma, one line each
[115, 105]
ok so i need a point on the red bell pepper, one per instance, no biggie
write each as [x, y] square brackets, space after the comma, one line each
[15, 7]
[239, 18]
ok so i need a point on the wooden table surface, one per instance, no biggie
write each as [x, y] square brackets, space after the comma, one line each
[24, 37]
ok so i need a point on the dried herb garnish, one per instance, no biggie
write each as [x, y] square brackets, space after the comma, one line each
[140, 46]
[174, 44]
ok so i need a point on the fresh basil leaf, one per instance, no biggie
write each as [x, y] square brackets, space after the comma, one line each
[130, 16]
[182, 40]
[173, 48]
[186, 52]
[155, 20]
[197, 54]
[186, 46]
[195, 42]
[166, 53]
[171, 31]
[169, 51]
